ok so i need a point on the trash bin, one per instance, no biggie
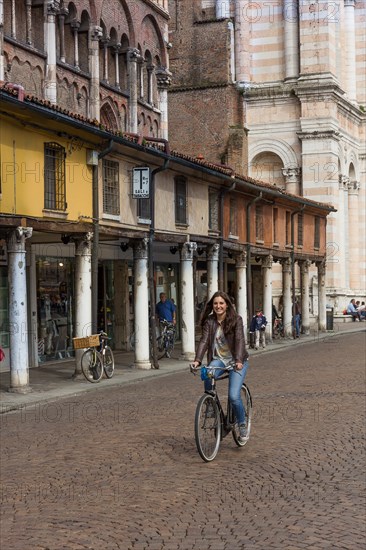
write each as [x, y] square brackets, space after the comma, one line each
[330, 318]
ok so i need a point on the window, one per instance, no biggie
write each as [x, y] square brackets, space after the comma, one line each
[259, 223]
[233, 217]
[54, 177]
[317, 232]
[288, 228]
[300, 230]
[213, 210]
[143, 209]
[180, 200]
[111, 187]
[275, 225]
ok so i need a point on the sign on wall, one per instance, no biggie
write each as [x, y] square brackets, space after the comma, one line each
[141, 182]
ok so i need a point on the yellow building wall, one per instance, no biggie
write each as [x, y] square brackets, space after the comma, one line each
[22, 173]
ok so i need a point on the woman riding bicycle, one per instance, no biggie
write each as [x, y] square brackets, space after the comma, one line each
[223, 340]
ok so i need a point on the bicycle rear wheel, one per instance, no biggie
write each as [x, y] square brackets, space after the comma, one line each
[248, 408]
[108, 362]
[207, 427]
[92, 365]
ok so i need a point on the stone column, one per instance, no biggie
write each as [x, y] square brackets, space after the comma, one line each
[105, 42]
[350, 50]
[150, 72]
[305, 296]
[141, 301]
[18, 315]
[187, 301]
[212, 270]
[28, 8]
[50, 87]
[287, 301]
[163, 77]
[241, 297]
[122, 327]
[354, 215]
[83, 294]
[267, 293]
[242, 43]
[75, 25]
[291, 38]
[33, 324]
[95, 35]
[61, 26]
[133, 56]
[116, 50]
[322, 318]
[292, 180]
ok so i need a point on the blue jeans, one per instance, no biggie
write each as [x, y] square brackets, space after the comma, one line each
[236, 379]
[296, 324]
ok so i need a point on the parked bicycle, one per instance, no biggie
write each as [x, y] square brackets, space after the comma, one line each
[98, 358]
[166, 339]
[278, 329]
[212, 423]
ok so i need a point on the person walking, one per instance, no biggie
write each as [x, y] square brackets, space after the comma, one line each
[296, 319]
[223, 341]
[258, 327]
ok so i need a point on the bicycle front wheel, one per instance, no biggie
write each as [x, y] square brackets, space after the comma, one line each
[207, 427]
[92, 365]
[248, 408]
[108, 362]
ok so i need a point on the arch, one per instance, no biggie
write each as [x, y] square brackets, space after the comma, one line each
[152, 32]
[109, 116]
[353, 166]
[276, 146]
[267, 166]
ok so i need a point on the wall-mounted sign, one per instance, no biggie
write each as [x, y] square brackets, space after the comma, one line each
[141, 183]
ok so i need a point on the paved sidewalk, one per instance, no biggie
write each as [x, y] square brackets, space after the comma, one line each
[52, 381]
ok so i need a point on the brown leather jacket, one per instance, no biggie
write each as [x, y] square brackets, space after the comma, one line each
[235, 339]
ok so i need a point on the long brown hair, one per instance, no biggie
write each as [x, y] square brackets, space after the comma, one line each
[231, 315]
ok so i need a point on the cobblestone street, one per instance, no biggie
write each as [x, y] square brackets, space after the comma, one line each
[117, 468]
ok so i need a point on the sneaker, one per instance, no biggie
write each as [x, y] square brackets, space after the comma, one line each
[242, 433]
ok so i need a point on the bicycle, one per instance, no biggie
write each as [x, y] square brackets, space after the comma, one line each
[278, 329]
[166, 339]
[212, 423]
[95, 362]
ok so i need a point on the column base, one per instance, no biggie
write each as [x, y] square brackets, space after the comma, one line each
[78, 376]
[20, 389]
[187, 356]
[144, 365]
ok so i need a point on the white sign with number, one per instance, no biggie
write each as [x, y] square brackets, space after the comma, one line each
[141, 183]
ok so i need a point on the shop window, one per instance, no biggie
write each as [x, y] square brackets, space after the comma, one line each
[317, 232]
[213, 210]
[259, 223]
[111, 187]
[54, 177]
[181, 200]
[300, 230]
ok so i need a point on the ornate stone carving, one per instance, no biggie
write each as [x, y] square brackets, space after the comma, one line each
[187, 251]
[291, 174]
[213, 252]
[96, 33]
[140, 249]
[241, 260]
[163, 77]
[267, 261]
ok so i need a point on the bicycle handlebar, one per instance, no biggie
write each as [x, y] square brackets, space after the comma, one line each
[194, 369]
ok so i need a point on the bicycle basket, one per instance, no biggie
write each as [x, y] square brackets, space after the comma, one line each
[87, 342]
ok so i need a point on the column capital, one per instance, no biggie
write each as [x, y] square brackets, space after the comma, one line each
[213, 252]
[343, 182]
[291, 174]
[134, 55]
[140, 249]
[96, 33]
[241, 259]
[286, 265]
[188, 248]
[83, 244]
[16, 239]
[353, 187]
[304, 265]
[349, 3]
[163, 78]
[75, 25]
[267, 261]
[53, 7]
[321, 266]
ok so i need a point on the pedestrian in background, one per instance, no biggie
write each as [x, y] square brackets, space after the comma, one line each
[258, 327]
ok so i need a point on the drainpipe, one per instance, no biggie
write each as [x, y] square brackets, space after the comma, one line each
[221, 243]
[155, 363]
[249, 269]
[95, 247]
[293, 214]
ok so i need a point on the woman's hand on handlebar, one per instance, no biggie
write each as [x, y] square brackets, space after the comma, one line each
[238, 366]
